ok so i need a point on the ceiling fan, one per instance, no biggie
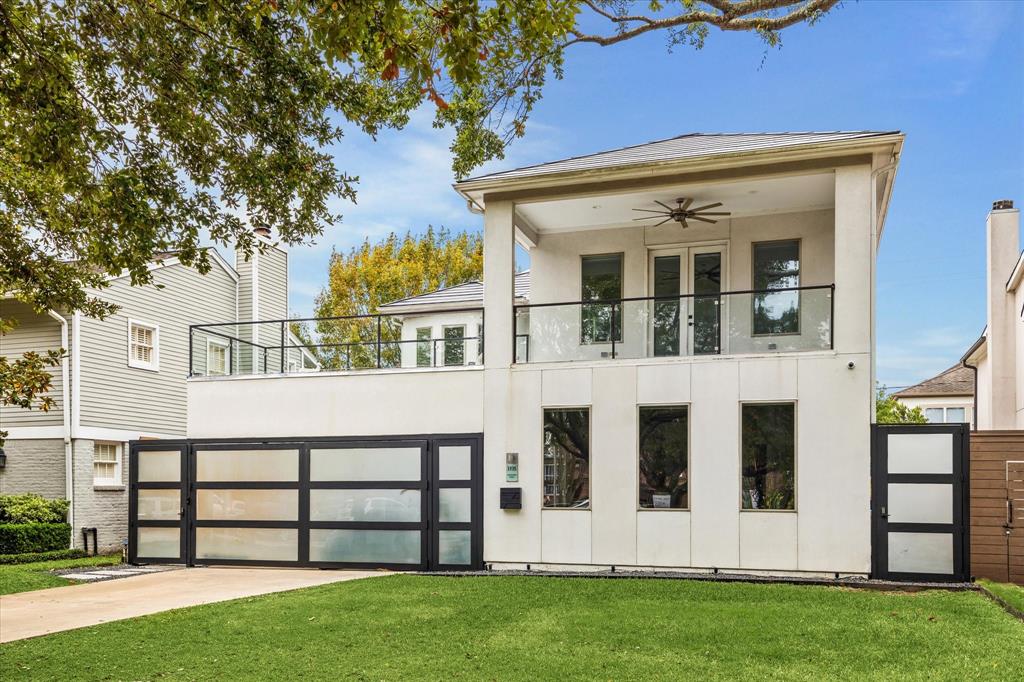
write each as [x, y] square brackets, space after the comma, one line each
[682, 212]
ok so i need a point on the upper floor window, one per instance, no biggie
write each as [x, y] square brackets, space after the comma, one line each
[777, 266]
[454, 345]
[106, 463]
[601, 280]
[424, 352]
[567, 458]
[143, 345]
[218, 357]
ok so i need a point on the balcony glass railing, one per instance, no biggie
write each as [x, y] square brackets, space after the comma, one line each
[453, 338]
[739, 322]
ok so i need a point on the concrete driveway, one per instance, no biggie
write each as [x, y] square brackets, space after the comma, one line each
[30, 614]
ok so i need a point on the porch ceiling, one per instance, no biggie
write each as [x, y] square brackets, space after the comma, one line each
[744, 198]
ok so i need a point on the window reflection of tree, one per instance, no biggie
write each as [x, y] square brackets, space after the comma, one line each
[567, 458]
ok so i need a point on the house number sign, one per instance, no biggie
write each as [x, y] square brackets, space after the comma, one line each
[511, 467]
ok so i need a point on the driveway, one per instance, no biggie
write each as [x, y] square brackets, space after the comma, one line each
[30, 614]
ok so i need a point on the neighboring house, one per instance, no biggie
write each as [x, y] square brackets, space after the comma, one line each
[678, 393]
[998, 355]
[124, 377]
[944, 399]
[444, 328]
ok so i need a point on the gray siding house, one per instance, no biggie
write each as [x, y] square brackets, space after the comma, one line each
[123, 378]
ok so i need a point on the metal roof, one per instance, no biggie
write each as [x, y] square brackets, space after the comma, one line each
[465, 294]
[682, 147]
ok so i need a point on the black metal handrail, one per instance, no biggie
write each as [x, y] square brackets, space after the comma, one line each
[375, 319]
[617, 302]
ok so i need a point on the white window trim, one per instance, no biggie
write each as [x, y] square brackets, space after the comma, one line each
[219, 343]
[153, 366]
[117, 480]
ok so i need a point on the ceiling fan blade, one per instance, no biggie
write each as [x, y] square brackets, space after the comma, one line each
[686, 203]
[667, 207]
[664, 221]
[703, 220]
[645, 217]
[649, 210]
[715, 205]
[710, 212]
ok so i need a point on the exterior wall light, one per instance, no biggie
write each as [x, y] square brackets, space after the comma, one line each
[3, 458]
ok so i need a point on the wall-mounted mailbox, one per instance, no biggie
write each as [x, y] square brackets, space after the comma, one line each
[511, 498]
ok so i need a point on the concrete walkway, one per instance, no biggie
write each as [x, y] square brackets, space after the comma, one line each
[30, 614]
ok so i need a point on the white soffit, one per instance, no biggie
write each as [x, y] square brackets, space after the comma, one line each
[747, 198]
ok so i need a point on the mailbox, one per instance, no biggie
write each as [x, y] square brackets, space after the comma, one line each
[511, 498]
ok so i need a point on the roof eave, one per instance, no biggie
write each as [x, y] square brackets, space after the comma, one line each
[473, 190]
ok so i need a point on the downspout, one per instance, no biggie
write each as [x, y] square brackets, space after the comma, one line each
[974, 398]
[65, 389]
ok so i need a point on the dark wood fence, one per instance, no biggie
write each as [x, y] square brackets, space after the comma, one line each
[997, 505]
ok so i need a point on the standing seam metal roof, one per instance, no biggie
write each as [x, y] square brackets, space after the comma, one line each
[681, 147]
[467, 292]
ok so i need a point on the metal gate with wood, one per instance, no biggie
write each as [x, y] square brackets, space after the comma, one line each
[997, 505]
[920, 493]
[407, 502]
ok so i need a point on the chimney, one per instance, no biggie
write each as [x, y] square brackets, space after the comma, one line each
[1002, 252]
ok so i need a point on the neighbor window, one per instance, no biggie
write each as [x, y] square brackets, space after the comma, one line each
[768, 451]
[143, 348]
[567, 458]
[664, 451]
[601, 280]
[454, 346]
[424, 353]
[217, 357]
[945, 415]
[106, 464]
[777, 266]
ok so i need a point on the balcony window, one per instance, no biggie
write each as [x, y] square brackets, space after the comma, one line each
[454, 345]
[601, 280]
[776, 266]
[769, 456]
[567, 458]
[424, 353]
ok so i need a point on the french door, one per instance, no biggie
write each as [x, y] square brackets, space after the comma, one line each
[687, 311]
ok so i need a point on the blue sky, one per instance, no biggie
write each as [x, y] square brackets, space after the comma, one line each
[948, 74]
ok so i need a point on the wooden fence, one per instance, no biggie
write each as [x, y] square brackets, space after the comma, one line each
[997, 505]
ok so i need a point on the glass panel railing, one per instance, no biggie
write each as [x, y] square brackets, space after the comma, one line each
[775, 321]
[453, 338]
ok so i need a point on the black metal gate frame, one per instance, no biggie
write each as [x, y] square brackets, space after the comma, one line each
[959, 478]
[429, 485]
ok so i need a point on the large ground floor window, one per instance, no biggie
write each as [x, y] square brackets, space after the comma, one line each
[768, 452]
[663, 455]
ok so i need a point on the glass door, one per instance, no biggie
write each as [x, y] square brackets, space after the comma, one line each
[667, 309]
[457, 504]
[705, 320]
[158, 504]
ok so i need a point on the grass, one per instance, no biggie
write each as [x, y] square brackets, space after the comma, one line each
[36, 576]
[1009, 593]
[520, 628]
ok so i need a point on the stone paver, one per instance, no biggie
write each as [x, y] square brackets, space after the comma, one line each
[30, 614]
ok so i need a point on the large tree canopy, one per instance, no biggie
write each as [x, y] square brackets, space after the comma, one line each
[131, 127]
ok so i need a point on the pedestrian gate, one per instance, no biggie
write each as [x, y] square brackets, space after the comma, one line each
[920, 502]
[408, 503]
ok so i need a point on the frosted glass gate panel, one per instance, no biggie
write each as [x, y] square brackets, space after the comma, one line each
[919, 482]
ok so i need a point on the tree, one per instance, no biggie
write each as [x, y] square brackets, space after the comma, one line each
[368, 276]
[136, 127]
[889, 410]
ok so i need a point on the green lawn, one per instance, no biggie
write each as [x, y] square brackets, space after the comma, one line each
[508, 628]
[37, 576]
[1011, 594]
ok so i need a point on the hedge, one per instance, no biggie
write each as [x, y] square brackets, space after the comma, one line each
[21, 538]
[32, 557]
[32, 508]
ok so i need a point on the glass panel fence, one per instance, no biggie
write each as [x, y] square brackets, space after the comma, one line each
[704, 324]
[360, 342]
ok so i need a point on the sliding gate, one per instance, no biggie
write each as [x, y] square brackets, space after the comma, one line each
[406, 503]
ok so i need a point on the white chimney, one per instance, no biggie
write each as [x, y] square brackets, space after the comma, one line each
[1003, 238]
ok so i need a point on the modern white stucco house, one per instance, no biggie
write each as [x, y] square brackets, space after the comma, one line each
[998, 355]
[676, 394]
[123, 378]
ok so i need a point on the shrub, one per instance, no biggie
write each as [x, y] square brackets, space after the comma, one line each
[32, 557]
[32, 508]
[20, 538]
